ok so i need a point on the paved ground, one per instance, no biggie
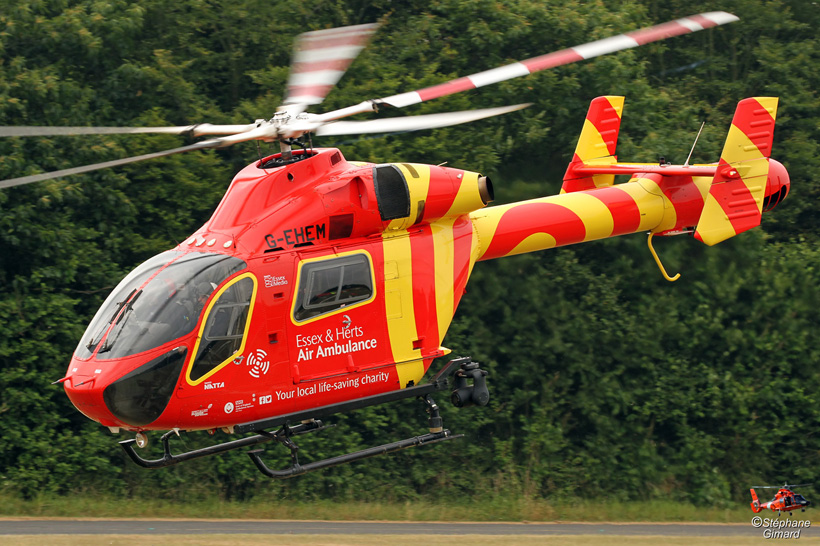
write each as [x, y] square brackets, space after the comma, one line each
[168, 527]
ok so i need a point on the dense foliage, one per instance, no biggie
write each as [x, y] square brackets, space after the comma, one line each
[604, 377]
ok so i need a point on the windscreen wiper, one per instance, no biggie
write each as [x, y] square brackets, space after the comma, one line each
[128, 304]
[94, 341]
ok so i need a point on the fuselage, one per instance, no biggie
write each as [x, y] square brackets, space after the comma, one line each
[322, 280]
[311, 284]
[783, 501]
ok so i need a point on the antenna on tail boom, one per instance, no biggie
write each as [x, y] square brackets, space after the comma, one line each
[686, 164]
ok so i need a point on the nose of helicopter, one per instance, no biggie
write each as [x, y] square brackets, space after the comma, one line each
[130, 359]
[134, 399]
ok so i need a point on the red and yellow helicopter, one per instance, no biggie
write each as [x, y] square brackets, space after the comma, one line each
[322, 285]
[785, 500]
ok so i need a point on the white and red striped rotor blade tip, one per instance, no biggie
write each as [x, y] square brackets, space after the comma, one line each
[320, 59]
[628, 40]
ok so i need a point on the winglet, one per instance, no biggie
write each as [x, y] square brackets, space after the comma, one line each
[596, 145]
[735, 199]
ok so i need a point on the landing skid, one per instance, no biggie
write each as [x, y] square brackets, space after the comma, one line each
[436, 434]
[308, 422]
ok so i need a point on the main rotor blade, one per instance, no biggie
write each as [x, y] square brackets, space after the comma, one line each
[320, 58]
[195, 130]
[413, 123]
[214, 143]
[628, 40]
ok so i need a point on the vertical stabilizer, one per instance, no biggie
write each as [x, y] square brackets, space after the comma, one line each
[596, 145]
[735, 199]
[755, 504]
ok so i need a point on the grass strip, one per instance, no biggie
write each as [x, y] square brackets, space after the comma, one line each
[513, 509]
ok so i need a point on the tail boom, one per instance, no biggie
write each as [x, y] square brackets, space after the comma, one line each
[566, 219]
[716, 201]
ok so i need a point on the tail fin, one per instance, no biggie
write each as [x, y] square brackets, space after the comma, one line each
[735, 198]
[755, 504]
[596, 145]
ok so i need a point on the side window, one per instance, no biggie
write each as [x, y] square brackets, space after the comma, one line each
[332, 284]
[225, 328]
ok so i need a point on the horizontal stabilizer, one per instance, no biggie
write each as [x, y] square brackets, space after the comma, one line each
[735, 200]
[589, 169]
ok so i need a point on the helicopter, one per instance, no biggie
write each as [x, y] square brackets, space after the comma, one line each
[785, 500]
[320, 285]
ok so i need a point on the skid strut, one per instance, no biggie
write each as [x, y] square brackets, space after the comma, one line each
[308, 421]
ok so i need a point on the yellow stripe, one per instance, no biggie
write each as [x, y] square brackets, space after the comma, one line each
[418, 183]
[617, 102]
[703, 184]
[591, 145]
[536, 241]
[595, 215]
[444, 259]
[751, 165]
[409, 372]
[467, 198]
[485, 223]
[669, 216]
[739, 148]
[714, 226]
[650, 203]
[398, 297]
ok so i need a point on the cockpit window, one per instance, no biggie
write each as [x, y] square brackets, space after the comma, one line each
[222, 337]
[327, 285]
[159, 301]
[116, 300]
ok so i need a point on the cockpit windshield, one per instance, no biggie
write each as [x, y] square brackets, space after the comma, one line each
[160, 301]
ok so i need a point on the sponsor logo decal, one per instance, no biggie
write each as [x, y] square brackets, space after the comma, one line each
[274, 280]
[258, 363]
[202, 412]
[334, 342]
